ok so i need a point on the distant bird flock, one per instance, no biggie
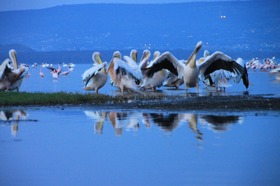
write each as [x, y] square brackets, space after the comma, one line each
[128, 74]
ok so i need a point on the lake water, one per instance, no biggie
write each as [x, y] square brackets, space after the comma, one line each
[88, 146]
[84, 145]
[260, 83]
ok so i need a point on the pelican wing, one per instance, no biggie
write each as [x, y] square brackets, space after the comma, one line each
[134, 66]
[22, 71]
[4, 68]
[88, 74]
[123, 69]
[218, 61]
[164, 61]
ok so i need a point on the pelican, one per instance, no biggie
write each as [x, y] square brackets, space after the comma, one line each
[188, 71]
[123, 75]
[21, 71]
[217, 69]
[96, 76]
[10, 78]
[157, 78]
[6, 76]
[173, 80]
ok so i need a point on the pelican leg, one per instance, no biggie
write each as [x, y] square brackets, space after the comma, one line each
[96, 91]
[197, 87]
[187, 87]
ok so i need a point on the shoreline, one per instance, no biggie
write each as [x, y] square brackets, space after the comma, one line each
[132, 101]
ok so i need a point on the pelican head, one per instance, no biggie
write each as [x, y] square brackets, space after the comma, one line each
[96, 57]
[12, 54]
[206, 53]
[156, 54]
[117, 54]
[134, 54]
[146, 54]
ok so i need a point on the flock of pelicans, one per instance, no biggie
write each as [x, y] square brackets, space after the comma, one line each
[130, 75]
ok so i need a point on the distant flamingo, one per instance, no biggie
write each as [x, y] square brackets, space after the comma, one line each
[41, 72]
[55, 72]
[70, 69]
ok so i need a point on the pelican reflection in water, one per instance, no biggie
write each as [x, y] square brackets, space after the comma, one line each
[131, 121]
[12, 117]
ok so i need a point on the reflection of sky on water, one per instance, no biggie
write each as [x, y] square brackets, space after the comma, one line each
[84, 146]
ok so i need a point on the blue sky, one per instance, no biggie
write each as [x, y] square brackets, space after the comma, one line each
[38, 4]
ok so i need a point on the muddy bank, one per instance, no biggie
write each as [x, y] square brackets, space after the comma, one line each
[156, 101]
[201, 103]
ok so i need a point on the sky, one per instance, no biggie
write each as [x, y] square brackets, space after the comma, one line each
[6, 5]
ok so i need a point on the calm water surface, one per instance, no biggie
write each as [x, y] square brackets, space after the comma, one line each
[260, 83]
[87, 146]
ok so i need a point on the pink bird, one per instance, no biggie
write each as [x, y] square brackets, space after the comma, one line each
[41, 72]
[55, 72]
[70, 69]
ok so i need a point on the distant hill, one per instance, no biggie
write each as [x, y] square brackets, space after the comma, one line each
[228, 26]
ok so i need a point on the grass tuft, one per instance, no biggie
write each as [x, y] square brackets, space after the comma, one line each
[59, 98]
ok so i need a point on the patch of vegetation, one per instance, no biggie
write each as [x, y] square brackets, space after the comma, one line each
[59, 98]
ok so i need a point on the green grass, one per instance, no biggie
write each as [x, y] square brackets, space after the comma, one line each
[24, 98]
[60, 98]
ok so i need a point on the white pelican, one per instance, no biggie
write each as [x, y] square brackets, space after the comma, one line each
[191, 69]
[123, 75]
[6, 76]
[174, 81]
[96, 76]
[10, 78]
[21, 71]
[156, 80]
[188, 71]
[217, 69]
